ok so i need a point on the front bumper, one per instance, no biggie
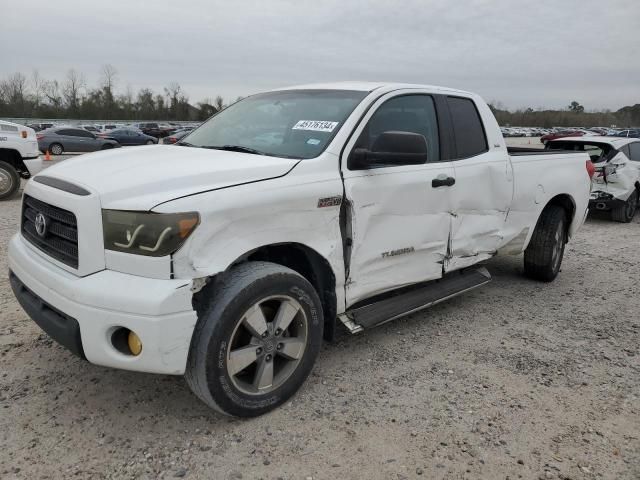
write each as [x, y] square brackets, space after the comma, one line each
[158, 311]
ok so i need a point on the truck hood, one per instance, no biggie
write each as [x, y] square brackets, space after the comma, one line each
[139, 178]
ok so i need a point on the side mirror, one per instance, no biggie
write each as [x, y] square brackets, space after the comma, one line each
[392, 148]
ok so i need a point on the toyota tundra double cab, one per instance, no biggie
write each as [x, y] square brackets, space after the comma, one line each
[19, 157]
[231, 255]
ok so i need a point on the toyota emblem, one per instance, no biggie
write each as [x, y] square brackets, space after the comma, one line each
[41, 224]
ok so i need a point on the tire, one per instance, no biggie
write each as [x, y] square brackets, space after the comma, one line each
[9, 181]
[56, 149]
[625, 212]
[107, 146]
[543, 255]
[150, 142]
[223, 331]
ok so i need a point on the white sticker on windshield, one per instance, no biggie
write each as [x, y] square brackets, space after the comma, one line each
[313, 141]
[315, 125]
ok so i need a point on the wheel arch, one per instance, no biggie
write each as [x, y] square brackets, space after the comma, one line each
[568, 204]
[298, 257]
[12, 157]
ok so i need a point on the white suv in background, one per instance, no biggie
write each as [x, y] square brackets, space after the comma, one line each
[19, 157]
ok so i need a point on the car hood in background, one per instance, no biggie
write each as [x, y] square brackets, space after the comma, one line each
[143, 177]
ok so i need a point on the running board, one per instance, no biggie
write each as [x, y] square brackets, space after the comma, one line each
[414, 300]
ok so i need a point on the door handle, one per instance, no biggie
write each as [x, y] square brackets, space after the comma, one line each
[442, 181]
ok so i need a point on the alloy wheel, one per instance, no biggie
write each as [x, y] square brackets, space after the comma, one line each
[267, 345]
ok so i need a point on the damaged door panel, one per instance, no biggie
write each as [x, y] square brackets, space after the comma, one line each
[400, 232]
[400, 199]
[483, 190]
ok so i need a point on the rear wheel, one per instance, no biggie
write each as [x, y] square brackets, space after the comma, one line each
[625, 212]
[9, 181]
[543, 256]
[257, 340]
[150, 142]
[56, 149]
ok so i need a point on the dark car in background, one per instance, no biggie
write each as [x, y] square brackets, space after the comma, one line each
[40, 126]
[154, 129]
[68, 139]
[633, 133]
[175, 137]
[561, 134]
[129, 136]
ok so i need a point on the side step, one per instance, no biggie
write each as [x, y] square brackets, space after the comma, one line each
[414, 299]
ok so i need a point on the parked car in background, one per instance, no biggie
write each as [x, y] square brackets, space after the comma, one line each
[68, 139]
[154, 129]
[633, 133]
[40, 126]
[563, 133]
[91, 128]
[616, 182]
[19, 157]
[175, 137]
[129, 136]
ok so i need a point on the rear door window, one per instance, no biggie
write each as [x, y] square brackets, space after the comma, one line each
[470, 139]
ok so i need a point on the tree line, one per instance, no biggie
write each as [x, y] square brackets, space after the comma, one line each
[34, 96]
[574, 115]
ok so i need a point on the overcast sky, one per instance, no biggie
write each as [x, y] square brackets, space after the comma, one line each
[542, 53]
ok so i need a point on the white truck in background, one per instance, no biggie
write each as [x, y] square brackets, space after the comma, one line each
[19, 157]
[228, 257]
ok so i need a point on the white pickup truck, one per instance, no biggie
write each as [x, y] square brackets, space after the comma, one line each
[19, 157]
[228, 257]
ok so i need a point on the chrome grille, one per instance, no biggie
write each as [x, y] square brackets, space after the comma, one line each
[60, 238]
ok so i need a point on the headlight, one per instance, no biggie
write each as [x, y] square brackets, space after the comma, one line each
[145, 233]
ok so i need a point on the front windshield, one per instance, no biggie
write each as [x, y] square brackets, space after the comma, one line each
[291, 123]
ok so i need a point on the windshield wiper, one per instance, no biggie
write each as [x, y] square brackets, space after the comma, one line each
[184, 144]
[235, 148]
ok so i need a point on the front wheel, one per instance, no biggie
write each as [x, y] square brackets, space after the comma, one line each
[625, 212]
[9, 181]
[543, 256]
[256, 342]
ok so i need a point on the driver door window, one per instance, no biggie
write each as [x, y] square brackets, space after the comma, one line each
[409, 113]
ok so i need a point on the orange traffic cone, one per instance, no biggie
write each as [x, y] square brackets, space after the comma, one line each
[47, 157]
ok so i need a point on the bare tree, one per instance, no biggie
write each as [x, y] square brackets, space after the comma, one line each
[71, 89]
[37, 82]
[51, 90]
[109, 76]
[218, 103]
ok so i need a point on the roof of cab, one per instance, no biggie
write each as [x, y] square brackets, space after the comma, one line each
[369, 87]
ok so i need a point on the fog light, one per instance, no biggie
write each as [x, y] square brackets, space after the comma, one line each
[135, 345]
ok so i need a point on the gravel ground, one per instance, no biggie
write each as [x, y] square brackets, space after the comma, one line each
[517, 379]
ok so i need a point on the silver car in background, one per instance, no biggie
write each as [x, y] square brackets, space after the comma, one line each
[69, 139]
